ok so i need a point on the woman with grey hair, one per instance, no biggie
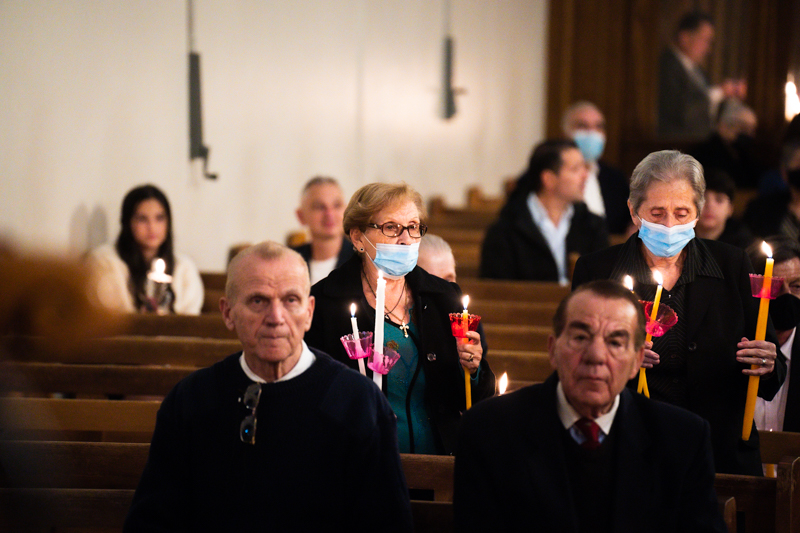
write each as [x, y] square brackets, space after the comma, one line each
[703, 362]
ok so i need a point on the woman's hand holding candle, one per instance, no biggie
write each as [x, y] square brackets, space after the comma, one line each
[759, 353]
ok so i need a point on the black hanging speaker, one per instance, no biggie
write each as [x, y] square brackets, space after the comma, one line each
[195, 117]
[196, 146]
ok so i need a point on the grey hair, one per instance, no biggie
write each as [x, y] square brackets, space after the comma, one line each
[267, 251]
[667, 166]
[435, 245]
[566, 118]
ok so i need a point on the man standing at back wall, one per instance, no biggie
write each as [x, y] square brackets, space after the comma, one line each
[279, 437]
[580, 452]
[321, 210]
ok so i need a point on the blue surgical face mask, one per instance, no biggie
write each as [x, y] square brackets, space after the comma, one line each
[663, 241]
[590, 143]
[395, 260]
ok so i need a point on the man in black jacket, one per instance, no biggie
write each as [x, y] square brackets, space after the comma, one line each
[580, 452]
[545, 220]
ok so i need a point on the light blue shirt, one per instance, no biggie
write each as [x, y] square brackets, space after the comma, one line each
[554, 235]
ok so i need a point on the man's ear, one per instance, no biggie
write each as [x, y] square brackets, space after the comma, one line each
[639, 359]
[311, 303]
[225, 307]
[551, 351]
[300, 216]
[549, 179]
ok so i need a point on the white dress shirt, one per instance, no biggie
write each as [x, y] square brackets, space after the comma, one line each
[568, 416]
[307, 359]
[592, 194]
[555, 235]
[769, 415]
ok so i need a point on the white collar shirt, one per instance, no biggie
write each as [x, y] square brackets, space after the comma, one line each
[307, 359]
[769, 414]
[554, 235]
[568, 416]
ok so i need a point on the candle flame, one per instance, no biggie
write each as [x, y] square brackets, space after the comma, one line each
[657, 276]
[766, 249]
[503, 383]
[159, 266]
[628, 282]
[352, 309]
[465, 301]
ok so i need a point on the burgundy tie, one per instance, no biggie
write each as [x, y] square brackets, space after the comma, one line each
[591, 431]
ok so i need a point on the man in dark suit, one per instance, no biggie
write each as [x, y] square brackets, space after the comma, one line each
[782, 413]
[580, 452]
[686, 99]
[544, 220]
[606, 191]
[321, 210]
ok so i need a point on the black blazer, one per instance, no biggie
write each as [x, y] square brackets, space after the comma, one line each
[719, 312]
[434, 300]
[514, 248]
[511, 471]
[791, 418]
[683, 105]
[345, 252]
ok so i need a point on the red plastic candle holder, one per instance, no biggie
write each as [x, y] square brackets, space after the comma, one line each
[665, 318]
[457, 324]
[358, 348]
[758, 289]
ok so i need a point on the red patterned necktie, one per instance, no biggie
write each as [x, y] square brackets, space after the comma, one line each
[591, 431]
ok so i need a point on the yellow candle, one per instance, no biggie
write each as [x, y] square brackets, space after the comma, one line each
[465, 323]
[761, 332]
[642, 388]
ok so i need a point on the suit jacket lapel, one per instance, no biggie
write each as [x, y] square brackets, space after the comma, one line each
[547, 463]
[634, 472]
[791, 418]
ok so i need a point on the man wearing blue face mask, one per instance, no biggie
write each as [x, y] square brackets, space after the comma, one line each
[606, 191]
[783, 412]
[703, 363]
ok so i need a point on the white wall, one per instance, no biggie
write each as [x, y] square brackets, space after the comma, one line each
[95, 101]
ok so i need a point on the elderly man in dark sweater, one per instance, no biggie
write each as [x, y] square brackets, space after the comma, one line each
[580, 452]
[278, 437]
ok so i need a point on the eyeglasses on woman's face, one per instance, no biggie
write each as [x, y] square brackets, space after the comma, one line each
[392, 229]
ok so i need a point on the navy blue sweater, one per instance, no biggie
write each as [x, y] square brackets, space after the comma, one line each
[325, 456]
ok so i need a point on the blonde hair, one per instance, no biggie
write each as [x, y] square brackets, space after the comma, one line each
[372, 198]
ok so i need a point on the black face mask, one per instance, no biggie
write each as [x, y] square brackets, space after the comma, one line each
[793, 177]
[785, 312]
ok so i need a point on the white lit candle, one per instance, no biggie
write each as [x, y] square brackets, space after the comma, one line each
[354, 324]
[503, 384]
[380, 298]
[158, 273]
[353, 321]
[627, 281]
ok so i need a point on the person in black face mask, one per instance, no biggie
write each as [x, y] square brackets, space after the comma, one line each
[782, 413]
[779, 213]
